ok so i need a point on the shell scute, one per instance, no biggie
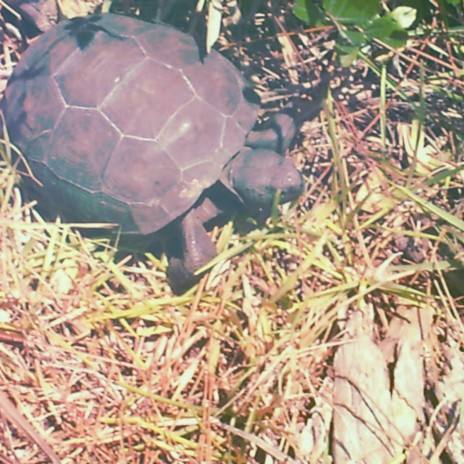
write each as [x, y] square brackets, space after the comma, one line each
[123, 120]
[85, 139]
[146, 98]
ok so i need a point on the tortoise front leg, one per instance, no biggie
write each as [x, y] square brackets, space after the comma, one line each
[276, 134]
[196, 250]
[43, 14]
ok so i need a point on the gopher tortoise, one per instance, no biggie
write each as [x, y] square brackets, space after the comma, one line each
[122, 121]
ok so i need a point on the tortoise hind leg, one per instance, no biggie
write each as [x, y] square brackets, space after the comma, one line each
[196, 249]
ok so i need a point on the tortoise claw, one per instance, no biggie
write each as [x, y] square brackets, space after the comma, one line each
[180, 278]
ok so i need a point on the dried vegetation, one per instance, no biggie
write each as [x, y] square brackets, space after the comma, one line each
[333, 334]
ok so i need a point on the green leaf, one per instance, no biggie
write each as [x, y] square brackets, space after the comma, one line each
[391, 27]
[381, 28]
[349, 55]
[397, 39]
[353, 11]
[300, 10]
[403, 16]
[355, 38]
[308, 12]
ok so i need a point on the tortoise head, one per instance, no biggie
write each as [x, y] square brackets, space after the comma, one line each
[257, 175]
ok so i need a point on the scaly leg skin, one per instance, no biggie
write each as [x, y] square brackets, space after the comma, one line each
[43, 14]
[276, 134]
[197, 250]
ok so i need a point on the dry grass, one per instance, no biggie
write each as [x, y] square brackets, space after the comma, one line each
[337, 326]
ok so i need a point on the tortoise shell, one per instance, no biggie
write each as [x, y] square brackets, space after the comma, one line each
[121, 121]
